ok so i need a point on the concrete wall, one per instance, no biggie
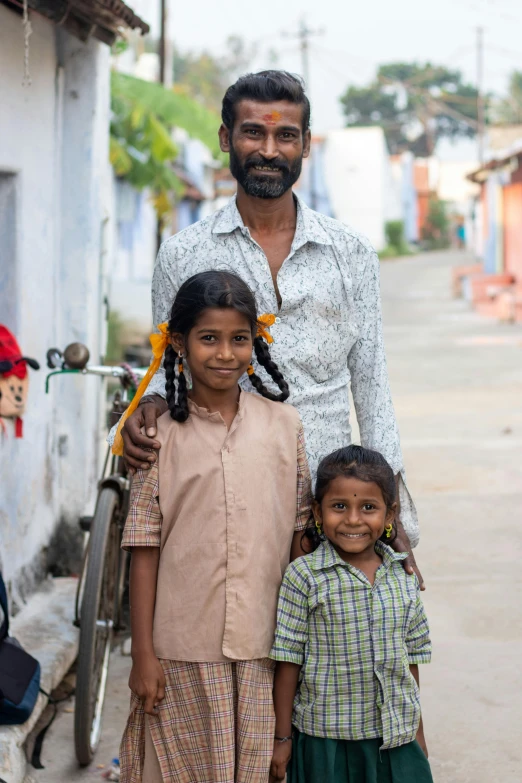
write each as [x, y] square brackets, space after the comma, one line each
[54, 176]
[359, 181]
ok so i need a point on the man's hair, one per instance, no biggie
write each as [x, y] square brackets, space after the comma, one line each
[265, 87]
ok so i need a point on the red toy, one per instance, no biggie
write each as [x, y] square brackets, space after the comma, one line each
[14, 379]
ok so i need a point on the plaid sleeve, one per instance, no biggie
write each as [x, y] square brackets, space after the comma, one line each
[143, 524]
[418, 642]
[304, 485]
[292, 618]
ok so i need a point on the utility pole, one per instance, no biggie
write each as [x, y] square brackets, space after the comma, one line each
[162, 41]
[161, 79]
[480, 93]
[303, 34]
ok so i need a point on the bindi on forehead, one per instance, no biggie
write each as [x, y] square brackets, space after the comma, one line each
[272, 117]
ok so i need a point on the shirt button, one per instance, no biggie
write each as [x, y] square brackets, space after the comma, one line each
[278, 320]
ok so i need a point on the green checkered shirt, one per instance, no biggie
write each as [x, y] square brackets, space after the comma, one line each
[355, 642]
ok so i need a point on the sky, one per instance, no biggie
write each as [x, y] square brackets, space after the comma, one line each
[353, 39]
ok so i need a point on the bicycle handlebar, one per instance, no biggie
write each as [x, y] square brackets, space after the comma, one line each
[115, 372]
[100, 370]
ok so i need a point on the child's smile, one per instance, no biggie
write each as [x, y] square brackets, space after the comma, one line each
[353, 515]
[219, 349]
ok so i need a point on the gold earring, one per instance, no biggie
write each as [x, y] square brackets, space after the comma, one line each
[180, 362]
[318, 527]
[388, 530]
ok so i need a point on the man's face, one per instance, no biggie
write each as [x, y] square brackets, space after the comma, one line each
[266, 147]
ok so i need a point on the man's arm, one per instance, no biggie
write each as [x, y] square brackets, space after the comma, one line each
[139, 431]
[372, 396]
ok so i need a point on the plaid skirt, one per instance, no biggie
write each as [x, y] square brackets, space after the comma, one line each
[215, 725]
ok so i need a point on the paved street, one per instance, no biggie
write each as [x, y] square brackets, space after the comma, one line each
[457, 387]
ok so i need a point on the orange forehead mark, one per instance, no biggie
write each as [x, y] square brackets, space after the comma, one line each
[272, 117]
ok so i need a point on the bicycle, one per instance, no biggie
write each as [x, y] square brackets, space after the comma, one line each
[102, 582]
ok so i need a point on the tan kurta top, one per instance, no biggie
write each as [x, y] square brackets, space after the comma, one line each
[223, 506]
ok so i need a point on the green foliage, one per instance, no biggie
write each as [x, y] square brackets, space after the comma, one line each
[206, 77]
[436, 229]
[396, 244]
[141, 146]
[415, 104]
[115, 328]
[509, 109]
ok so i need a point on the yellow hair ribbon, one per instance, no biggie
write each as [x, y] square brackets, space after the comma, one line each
[265, 322]
[159, 343]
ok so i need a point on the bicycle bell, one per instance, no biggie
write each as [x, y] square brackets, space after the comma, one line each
[76, 356]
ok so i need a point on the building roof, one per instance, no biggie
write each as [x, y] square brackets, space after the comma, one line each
[498, 161]
[101, 19]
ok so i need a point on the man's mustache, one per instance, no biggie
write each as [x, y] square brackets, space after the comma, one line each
[276, 165]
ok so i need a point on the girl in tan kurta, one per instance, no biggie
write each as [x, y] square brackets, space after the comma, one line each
[211, 527]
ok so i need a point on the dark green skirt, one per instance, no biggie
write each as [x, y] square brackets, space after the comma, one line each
[320, 760]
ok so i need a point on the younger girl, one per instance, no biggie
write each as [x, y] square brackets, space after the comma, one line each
[351, 631]
[210, 529]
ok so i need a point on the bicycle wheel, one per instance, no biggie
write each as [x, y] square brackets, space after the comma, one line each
[97, 616]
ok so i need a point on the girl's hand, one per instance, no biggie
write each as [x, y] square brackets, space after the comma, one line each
[147, 681]
[422, 742]
[281, 757]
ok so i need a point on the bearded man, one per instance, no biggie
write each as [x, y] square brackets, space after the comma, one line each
[318, 276]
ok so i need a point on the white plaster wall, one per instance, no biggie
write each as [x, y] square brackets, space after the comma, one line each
[54, 137]
[356, 177]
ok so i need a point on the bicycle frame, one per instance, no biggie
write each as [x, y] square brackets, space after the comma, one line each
[114, 471]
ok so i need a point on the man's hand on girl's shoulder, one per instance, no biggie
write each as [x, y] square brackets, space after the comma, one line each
[139, 433]
[401, 543]
[147, 681]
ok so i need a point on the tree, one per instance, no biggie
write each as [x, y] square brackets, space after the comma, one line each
[509, 109]
[415, 104]
[142, 151]
[205, 76]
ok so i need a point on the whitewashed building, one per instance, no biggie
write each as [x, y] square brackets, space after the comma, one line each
[55, 242]
[359, 179]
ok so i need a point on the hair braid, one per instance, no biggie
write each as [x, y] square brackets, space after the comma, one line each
[178, 408]
[263, 357]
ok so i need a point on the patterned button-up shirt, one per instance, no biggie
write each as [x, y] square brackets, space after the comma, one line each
[327, 333]
[355, 642]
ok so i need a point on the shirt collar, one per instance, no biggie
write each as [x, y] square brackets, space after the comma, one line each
[308, 225]
[204, 413]
[326, 556]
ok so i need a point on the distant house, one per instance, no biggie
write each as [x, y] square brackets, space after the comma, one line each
[311, 186]
[497, 291]
[360, 183]
[55, 244]
[403, 171]
[136, 232]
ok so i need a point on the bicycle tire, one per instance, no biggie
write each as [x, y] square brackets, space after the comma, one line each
[96, 625]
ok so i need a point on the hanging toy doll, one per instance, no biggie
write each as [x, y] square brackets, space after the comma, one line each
[14, 379]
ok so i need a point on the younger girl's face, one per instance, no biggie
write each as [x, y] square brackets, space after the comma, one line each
[218, 348]
[353, 515]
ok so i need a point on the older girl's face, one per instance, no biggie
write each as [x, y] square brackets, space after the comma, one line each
[218, 349]
[353, 514]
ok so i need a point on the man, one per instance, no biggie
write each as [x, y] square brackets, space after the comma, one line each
[318, 276]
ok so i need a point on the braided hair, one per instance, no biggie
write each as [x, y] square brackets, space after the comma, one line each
[217, 288]
[354, 462]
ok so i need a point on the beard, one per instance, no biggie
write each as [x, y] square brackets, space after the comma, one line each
[267, 186]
